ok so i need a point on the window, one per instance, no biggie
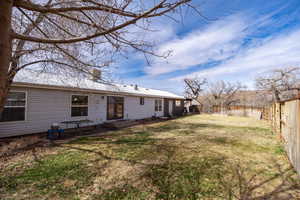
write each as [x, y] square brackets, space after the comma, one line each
[178, 103]
[115, 108]
[158, 105]
[14, 109]
[142, 100]
[79, 106]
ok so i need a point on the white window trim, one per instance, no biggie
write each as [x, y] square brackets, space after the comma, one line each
[161, 105]
[143, 101]
[25, 106]
[71, 106]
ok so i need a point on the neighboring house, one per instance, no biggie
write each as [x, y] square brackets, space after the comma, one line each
[192, 106]
[36, 101]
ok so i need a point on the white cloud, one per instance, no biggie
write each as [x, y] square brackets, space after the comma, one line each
[217, 41]
[157, 32]
[222, 41]
[274, 52]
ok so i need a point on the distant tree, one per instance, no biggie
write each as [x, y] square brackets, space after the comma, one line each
[223, 93]
[72, 35]
[262, 98]
[194, 87]
[281, 82]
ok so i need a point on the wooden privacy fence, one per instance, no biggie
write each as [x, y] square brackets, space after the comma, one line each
[285, 120]
[241, 110]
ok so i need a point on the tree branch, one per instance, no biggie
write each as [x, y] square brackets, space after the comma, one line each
[15, 58]
[55, 62]
[100, 7]
[58, 47]
[74, 40]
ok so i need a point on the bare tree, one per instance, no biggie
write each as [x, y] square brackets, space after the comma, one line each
[262, 98]
[243, 186]
[73, 35]
[223, 93]
[194, 87]
[283, 83]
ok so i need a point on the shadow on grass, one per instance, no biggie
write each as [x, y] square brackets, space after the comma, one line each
[206, 176]
[203, 176]
[193, 179]
[173, 127]
[51, 174]
[225, 127]
[206, 179]
[125, 192]
[211, 176]
[284, 184]
[132, 140]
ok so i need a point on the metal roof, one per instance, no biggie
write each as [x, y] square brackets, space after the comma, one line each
[30, 78]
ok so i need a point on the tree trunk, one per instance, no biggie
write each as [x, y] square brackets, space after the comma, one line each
[5, 49]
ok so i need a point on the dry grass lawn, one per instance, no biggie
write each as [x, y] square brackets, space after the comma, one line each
[189, 158]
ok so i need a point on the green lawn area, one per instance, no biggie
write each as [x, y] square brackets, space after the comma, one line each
[193, 157]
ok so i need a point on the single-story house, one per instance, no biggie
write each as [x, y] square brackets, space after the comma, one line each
[38, 100]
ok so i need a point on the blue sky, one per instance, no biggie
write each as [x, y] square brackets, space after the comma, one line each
[240, 40]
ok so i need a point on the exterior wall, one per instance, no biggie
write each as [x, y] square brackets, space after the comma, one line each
[169, 108]
[178, 110]
[133, 109]
[45, 107]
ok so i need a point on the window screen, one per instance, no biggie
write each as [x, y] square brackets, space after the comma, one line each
[15, 106]
[79, 106]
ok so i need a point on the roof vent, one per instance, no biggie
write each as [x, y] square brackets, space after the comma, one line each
[136, 87]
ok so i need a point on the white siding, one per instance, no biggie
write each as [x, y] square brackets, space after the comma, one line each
[45, 107]
[133, 109]
[171, 102]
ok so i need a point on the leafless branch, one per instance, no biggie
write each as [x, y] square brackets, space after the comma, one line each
[284, 83]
